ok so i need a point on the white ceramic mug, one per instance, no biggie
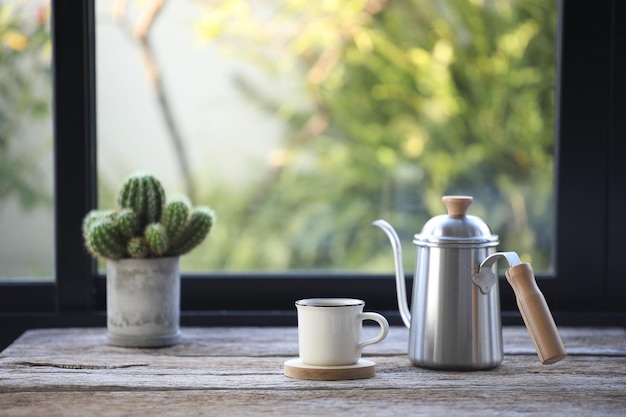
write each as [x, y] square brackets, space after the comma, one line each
[329, 330]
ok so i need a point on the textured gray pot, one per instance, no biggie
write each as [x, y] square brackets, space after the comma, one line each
[143, 302]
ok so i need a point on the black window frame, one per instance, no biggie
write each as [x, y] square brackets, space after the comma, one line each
[587, 288]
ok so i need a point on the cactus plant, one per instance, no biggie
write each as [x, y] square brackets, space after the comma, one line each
[175, 215]
[156, 238]
[105, 239]
[194, 231]
[137, 247]
[144, 226]
[127, 222]
[144, 194]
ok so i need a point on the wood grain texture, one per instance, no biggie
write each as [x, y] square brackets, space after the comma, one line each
[239, 371]
[536, 314]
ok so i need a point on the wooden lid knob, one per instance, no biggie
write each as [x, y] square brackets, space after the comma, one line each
[457, 204]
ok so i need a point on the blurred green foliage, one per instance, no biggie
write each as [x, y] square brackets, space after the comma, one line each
[407, 101]
[25, 99]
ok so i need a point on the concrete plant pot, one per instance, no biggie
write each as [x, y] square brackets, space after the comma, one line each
[143, 302]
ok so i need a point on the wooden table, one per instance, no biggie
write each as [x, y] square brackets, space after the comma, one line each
[239, 371]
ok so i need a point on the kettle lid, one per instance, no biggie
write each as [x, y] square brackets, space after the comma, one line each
[457, 228]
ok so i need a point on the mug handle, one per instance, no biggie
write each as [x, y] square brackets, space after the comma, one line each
[384, 328]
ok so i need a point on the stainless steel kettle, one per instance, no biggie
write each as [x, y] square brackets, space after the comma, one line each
[454, 322]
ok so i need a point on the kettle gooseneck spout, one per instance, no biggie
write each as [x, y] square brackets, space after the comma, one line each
[403, 305]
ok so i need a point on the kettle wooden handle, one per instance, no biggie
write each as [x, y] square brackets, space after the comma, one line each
[536, 314]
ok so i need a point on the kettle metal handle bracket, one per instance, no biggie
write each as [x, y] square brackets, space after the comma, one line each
[486, 278]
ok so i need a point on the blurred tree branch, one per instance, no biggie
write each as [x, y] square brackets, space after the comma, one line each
[141, 29]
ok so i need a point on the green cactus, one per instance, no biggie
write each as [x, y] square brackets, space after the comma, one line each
[196, 229]
[175, 215]
[127, 223]
[156, 237]
[137, 247]
[105, 240]
[94, 216]
[144, 226]
[90, 219]
[144, 194]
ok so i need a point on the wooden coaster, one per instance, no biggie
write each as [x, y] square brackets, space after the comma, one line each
[294, 368]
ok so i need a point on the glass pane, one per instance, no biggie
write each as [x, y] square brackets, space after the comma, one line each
[26, 162]
[300, 123]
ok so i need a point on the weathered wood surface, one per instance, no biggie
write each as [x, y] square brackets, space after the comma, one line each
[239, 371]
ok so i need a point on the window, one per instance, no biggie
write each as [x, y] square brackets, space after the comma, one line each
[587, 286]
[26, 185]
[301, 123]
